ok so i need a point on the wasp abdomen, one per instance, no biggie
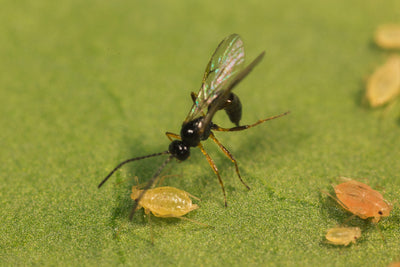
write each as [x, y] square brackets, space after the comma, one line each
[233, 109]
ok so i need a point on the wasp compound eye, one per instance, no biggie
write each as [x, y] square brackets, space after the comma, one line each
[179, 150]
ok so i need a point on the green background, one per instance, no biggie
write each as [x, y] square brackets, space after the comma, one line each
[87, 84]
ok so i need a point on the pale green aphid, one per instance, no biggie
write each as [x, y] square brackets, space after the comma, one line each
[165, 202]
[384, 84]
[388, 36]
[343, 235]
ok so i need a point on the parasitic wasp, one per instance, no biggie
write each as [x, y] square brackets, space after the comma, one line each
[224, 71]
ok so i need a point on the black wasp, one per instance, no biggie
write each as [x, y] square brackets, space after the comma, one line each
[224, 71]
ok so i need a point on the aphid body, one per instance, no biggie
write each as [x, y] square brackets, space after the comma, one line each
[343, 235]
[384, 83]
[165, 201]
[388, 36]
[361, 200]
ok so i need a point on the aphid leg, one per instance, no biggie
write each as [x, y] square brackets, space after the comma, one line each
[347, 220]
[138, 186]
[336, 199]
[244, 127]
[345, 179]
[147, 212]
[388, 108]
[350, 180]
[365, 102]
[375, 221]
[354, 210]
[190, 195]
[333, 243]
[230, 156]
[395, 202]
[380, 232]
[190, 220]
[215, 169]
[172, 135]
[137, 182]
[123, 181]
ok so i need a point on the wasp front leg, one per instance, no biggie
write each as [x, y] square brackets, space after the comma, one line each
[173, 135]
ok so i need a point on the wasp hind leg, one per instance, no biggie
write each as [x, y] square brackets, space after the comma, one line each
[230, 156]
[244, 127]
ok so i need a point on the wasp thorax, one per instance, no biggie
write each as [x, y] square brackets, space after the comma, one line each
[190, 132]
[179, 150]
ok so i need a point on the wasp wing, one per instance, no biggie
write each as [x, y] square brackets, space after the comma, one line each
[225, 63]
[225, 94]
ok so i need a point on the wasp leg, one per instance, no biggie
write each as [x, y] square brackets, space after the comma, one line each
[230, 156]
[215, 169]
[244, 127]
[172, 135]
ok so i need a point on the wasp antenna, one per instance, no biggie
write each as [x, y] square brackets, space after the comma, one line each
[148, 185]
[130, 160]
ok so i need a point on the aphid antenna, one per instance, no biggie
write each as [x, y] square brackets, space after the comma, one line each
[149, 184]
[344, 178]
[343, 224]
[393, 203]
[380, 232]
[161, 181]
[151, 229]
[158, 184]
[348, 179]
[130, 160]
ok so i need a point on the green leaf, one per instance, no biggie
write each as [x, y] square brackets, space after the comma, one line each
[85, 85]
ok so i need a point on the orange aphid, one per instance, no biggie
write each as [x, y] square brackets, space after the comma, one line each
[361, 200]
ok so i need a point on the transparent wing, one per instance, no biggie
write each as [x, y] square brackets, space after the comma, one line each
[223, 96]
[225, 63]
